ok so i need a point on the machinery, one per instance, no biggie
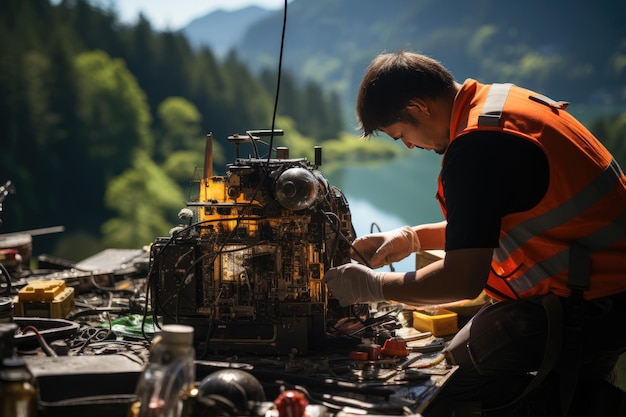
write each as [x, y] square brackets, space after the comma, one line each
[246, 272]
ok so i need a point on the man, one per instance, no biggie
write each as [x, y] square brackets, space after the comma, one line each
[535, 215]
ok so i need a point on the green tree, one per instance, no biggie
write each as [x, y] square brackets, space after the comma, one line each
[141, 57]
[146, 201]
[114, 123]
[209, 91]
[174, 57]
[37, 98]
[180, 144]
[291, 99]
[114, 112]
[247, 95]
[96, 28]
[179, 123]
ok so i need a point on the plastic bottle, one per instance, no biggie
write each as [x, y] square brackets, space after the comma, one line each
[168, 376]
[18, 397]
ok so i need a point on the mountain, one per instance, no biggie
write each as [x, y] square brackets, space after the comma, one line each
[567, 49]
[222, 30]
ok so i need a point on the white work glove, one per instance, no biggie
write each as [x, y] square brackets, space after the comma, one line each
[379, 249]
[355, 284]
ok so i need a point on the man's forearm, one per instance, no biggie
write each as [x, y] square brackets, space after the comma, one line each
[460, 276]
[432, 236]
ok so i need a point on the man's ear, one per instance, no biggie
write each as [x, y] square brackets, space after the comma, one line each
[420, 105]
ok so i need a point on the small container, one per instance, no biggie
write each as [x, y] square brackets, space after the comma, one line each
[18, 397]
[174, 342]
[169, 376]
[439, 322]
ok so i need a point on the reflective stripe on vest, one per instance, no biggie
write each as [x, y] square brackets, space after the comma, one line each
[496, 97]
[494, 103]
[559, 262]
[587, 197]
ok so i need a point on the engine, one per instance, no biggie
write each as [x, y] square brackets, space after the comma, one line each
[246, 272]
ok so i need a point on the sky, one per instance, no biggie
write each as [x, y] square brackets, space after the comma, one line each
[174, 14]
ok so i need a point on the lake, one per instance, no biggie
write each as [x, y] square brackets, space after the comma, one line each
[392, 194]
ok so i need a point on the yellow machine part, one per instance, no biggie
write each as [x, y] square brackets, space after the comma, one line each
[215, 190]
[44, 298]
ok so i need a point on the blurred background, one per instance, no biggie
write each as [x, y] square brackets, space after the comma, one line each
[104, 105]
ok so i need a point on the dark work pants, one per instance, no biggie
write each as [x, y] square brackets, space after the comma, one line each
[504, 343]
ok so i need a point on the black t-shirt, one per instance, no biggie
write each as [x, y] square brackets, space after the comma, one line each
[487, 175]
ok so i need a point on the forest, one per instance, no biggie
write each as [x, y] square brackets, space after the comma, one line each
[102, 125]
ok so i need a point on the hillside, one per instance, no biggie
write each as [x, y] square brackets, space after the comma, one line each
[222, 30]
[569, 49]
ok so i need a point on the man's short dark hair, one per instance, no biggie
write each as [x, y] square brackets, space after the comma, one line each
[391, 81]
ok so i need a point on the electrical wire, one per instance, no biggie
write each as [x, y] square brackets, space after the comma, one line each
[152, 285]
[342, 236]
[42, 341]
[391, 267]
[280, 68]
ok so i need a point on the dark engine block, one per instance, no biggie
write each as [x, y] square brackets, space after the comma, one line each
[247, 271]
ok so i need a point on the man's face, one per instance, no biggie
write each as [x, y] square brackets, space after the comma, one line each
[424, 128]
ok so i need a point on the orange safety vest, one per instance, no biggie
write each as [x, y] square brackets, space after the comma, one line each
[578, 229]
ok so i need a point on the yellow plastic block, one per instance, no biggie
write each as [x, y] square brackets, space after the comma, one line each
[44, 298]
[439, 322]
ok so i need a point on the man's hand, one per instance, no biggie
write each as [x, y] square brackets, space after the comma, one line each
[354, 284]
[379, 249]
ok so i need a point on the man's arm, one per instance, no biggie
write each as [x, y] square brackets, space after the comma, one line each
[461, 275]
[432, 236]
